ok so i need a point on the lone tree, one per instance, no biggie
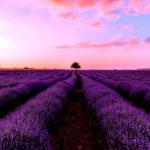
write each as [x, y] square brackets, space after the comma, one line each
[75, 65]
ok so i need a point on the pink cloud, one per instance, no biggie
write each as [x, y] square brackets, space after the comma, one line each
[86, 3]
[120, 42]
[68, 15]
[96, 24]
[129, 27]
[61, 2]
[111, 4]
[110, 9]
[147, 40]
[136, 7]
[110, 15]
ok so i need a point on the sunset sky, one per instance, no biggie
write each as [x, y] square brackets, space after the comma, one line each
[99, 34]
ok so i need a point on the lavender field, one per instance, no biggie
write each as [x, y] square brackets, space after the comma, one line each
[74, 110]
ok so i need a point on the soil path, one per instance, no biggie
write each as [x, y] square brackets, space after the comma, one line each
[77, 129]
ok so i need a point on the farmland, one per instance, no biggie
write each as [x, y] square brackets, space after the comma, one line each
[74, 110]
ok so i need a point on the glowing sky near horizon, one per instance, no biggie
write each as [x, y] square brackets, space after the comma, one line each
[99, 34]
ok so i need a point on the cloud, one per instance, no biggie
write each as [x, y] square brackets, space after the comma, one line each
[136, 7]
[61, 2]
[68, 15]
[76, 3]
[96, 24]
[129, 27]
[147, 40]
[86, 3]
[109, 9]
[120, 42]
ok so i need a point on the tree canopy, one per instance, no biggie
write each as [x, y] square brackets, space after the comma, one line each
[75, 65]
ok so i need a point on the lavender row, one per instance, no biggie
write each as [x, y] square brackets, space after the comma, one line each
[12, 97]
[8, 83]
[137, 76]
[10, 80]
[28, 128]
[125, 126]
[138, 93]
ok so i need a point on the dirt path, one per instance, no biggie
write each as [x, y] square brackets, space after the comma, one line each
[75, 130]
